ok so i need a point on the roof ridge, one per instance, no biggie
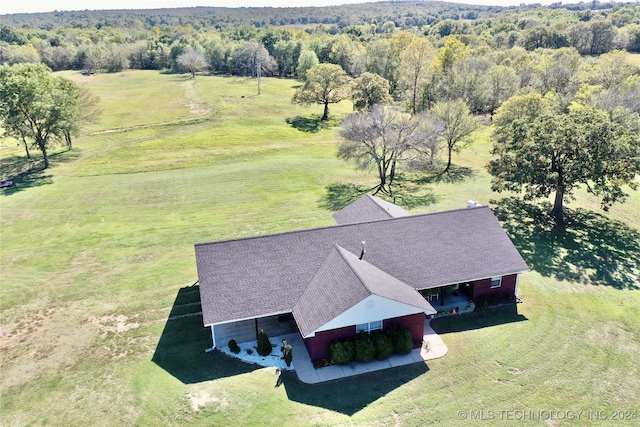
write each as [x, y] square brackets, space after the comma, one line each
[375, 200]
[340, 249]
[284, 233]
[364, 283]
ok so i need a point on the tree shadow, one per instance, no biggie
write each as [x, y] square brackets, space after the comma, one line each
[24, 173]
[478, 319]
[590, 249]
[181, 353]
[454, 175]
[409, 193]
[312, 123]
[351, 394]
[181, 348]
[27, 173]
[340, 195]
[406, 194]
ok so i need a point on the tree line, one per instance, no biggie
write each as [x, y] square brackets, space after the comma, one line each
[112, 41]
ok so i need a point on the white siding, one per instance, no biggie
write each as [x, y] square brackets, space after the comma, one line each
[370, 309]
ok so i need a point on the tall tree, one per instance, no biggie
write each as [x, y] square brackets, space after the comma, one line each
[368, 90]
[459, 124]
[382, 139]
[502, 82]
[452, 51]
[342, 52]
[36, 106]
[88, 112]
[286, 54]
[416, 64]
[326, 84]
[252, 53]
[556, 153]
[308, 59]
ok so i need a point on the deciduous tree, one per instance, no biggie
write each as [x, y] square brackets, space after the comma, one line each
[417, 61]
[458, 125]
[382, 139]
[326, 84]
[192, 61]
[308, 59]
[555, 153]
[368, 90]
[36, 106]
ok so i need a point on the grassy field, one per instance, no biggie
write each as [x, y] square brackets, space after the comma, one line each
[97, 256]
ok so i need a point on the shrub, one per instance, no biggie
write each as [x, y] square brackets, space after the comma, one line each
[382, 345]
[493, 298]
[287, 352]
[264, 345]
[363, 347]
[233, 346]
[342, 352]
[401, 339]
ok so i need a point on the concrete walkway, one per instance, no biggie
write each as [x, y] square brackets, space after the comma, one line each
[310, 375]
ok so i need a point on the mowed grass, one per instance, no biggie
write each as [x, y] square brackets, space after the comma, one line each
[97, 253]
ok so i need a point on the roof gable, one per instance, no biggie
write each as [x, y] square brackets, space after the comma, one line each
[368, 208]
[373, 308]
[343, 281]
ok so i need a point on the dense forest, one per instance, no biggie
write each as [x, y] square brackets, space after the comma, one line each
[482, 55]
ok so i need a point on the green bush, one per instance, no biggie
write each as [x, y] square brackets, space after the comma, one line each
[401, 339]
[264, 345]
[287, 352]
[363, 347]
[342, 352]
[233, 346]
[382, 345]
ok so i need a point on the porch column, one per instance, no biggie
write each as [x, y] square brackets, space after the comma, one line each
[442, 292]
[213, 336]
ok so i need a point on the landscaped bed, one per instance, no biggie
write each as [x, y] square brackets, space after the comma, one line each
[249, 353]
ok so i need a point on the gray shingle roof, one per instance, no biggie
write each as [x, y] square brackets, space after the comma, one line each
[368, 208]
[265, 275]
[343, 281]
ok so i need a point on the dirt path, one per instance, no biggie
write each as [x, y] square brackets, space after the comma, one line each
[197, 105]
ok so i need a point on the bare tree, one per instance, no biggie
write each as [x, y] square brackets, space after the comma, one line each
[458, 125]
[382, 139]
[192, 61]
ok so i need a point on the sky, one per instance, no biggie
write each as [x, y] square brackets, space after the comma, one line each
[32, 6]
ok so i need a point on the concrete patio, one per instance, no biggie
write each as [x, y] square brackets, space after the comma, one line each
[308, 374]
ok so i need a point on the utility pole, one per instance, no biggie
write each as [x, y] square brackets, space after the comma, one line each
[259, 74]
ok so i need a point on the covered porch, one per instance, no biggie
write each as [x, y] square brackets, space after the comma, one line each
[449, 300]
[247, 330]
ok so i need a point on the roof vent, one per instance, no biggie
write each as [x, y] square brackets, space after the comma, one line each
[472, 204]
[363, 251]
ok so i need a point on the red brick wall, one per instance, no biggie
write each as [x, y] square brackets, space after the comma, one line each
[318, 346]
[483, 287]
[413, 322]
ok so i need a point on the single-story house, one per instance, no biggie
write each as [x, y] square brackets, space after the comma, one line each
[378, 266]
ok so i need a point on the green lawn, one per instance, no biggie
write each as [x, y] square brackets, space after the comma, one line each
[97, 253]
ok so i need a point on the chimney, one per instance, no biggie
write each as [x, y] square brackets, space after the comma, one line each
[363, 251]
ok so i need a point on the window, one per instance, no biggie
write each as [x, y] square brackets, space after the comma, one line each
[369, 327]
[496, 282]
